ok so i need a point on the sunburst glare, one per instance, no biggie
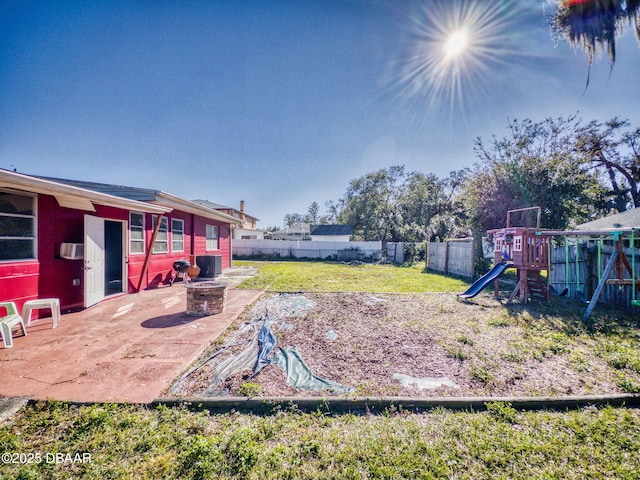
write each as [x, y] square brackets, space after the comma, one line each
[453, 47]
[456, 43]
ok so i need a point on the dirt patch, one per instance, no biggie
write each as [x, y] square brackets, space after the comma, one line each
[370, 342]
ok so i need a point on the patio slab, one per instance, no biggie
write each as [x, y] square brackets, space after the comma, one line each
[125, 349]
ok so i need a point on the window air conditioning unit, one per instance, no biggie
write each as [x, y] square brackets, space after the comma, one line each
[72, 251]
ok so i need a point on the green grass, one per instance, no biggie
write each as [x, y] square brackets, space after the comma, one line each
[133, 442]
[337, 277]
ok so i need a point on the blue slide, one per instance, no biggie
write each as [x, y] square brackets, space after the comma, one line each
[485, 280]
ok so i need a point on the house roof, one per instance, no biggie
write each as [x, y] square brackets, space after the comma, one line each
[331, 230]
[149, 196]
[213, 205]
[624, 220]
[73, 196]
[217, 206]
[293, 229]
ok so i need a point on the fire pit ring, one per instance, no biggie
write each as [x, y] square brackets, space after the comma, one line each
[206, 298]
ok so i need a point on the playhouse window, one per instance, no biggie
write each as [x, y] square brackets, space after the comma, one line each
[17, 226]
[212, 237]
[498, 245]
[517, 244]
[136, 232]
[177, 235]
[161, 244]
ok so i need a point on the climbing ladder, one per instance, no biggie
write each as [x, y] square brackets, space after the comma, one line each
[530, 284]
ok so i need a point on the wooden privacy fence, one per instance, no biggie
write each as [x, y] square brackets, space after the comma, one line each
[453, 257]
[578, 270]
[395, 252]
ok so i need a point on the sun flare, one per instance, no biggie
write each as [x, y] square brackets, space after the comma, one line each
[456, 43]
[454, 47]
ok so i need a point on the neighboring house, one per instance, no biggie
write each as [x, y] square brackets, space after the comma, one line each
[299, 231]
[330, 233]
[247, 230]
[116, 239]
[624, 220]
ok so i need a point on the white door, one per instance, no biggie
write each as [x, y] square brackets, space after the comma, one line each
[93, 260]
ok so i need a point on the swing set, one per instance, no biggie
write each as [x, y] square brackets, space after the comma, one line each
[624, 268]
[528, 250]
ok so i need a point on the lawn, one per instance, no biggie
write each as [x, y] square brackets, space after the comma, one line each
[392, 344]
[292, 276]
[488, 344]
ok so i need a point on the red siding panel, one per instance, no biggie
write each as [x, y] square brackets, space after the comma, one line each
[52, 276]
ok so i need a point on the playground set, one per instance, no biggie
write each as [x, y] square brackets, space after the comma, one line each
[528, 249]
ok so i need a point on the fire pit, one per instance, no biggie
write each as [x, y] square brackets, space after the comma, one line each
[206, 298]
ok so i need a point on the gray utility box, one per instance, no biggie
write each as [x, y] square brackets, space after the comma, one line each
[210, 265]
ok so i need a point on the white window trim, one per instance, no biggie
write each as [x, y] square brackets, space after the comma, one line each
[178, 220]
[517, 244]
[207, 238]
[34, 239]
[155, 244]
[143, 240]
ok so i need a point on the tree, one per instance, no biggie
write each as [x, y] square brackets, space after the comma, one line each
[370, 205]
[423, 207]
[613, 151]
[291, 219]
[391, 205]
[537, 165]
[313, 213]
[334, 211]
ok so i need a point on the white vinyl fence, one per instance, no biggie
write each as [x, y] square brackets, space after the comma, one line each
[346, 251]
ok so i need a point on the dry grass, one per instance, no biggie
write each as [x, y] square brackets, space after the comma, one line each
[486, 348]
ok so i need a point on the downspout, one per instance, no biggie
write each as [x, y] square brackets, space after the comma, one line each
[193, 234]
[147, 258]
[231, 229]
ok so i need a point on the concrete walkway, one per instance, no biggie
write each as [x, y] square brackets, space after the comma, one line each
[125, 349]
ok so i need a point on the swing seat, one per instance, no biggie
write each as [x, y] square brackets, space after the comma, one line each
[622, 281]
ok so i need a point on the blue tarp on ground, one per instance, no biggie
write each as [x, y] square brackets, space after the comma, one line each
[299, 375]
[261, 349]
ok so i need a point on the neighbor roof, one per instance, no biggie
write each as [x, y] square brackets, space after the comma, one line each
[297, 228]
[217, 206]
[623, 220]
[331, 230]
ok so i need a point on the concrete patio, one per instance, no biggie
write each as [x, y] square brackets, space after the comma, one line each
[125, 349]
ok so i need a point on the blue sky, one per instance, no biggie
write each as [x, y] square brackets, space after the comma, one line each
[281, 102]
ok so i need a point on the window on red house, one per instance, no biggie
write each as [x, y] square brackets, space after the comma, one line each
[177, 235]
[162, 240]
[212, 237]
[17, 226]
[136, 232]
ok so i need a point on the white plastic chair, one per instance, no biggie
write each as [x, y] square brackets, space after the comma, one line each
[10, 320]
[52, 303]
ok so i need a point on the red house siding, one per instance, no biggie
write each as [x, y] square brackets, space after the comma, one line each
[52, 276]
[224, 240]
[160, 268]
